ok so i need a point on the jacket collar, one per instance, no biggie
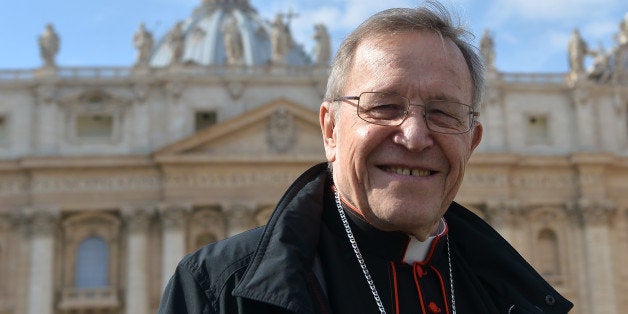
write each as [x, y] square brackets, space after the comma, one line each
[278, 272]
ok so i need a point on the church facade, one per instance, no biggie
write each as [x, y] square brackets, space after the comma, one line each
[109, 176]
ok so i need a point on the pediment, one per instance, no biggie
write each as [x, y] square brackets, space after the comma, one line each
[280, 130]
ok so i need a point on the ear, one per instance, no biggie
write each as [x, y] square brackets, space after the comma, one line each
[476, 137]
[328, 123]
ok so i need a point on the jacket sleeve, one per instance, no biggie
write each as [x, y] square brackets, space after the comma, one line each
[183, 294]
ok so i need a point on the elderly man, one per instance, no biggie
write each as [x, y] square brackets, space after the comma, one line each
[375, 230]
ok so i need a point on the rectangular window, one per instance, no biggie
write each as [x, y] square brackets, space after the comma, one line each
[204, 119]
[537, 129]
[94, 126]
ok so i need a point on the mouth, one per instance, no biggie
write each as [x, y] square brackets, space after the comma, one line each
[414, 172]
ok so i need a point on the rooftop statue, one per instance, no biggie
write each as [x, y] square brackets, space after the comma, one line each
[232, 39]
[577, 48]
[487, 49]
[600, 69]
[176, 41]
[143, 42]
[322, 50]
[280, 41]
[622, 37]
[49, 46]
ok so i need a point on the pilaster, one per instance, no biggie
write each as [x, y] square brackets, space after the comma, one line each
[173, 220]
[43, 225]
[45, 117]
[137, 221]
[596, 218]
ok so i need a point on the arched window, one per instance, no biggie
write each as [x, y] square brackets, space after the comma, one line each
[92, 263]
[548, 256]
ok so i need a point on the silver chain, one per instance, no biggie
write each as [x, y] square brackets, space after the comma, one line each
[451, 279]
[365, 271]
[358, 254]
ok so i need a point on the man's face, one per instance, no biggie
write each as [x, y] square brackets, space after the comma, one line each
[371, 162]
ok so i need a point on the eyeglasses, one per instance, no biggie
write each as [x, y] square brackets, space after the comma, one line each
[390, 109]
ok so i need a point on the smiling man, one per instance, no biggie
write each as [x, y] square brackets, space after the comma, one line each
[375, 230]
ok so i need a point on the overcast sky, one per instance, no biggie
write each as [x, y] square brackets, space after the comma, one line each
[530, 35]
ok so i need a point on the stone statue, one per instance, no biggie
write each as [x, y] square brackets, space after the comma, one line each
[600, 70]
[143, 42]
[280, 41]
[232, 39]
[577, 50]
[622, 37]
[487, 49]
[322, 50]
[176, 41]
[49, 46]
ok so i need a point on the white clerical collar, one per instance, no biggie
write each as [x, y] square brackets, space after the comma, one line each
[417, 251]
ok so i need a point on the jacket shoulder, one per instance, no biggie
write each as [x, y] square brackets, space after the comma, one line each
[215, 264]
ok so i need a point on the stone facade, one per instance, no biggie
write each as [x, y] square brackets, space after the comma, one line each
[108, 176]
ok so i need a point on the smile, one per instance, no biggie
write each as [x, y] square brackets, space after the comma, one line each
[407, 171]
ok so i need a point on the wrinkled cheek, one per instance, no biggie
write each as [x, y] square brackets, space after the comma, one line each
[454, 180]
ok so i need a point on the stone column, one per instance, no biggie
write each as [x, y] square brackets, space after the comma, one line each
[173, 218]
[137, 221]
[597, 215]
[43, 223]
[240, 217]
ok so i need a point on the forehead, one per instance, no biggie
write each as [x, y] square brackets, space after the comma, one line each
[415, 64]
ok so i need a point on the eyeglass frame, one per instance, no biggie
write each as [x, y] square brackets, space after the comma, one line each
[472, 112]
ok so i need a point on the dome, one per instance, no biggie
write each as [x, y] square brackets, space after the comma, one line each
[228, 32]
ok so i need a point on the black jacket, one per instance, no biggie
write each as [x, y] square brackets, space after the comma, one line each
[271, 269]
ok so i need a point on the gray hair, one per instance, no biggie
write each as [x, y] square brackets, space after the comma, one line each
[433, 17]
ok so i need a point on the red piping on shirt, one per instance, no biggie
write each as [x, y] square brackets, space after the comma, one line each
[418, 287]
[442, 286]
[395, 288]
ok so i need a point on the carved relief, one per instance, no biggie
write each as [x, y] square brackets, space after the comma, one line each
[281, 130]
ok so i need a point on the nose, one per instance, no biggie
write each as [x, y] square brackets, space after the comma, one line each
[413, 133]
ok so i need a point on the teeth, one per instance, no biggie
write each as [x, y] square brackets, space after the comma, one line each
[408, 172]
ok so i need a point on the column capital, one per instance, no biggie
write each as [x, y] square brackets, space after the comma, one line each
[240, 217]
[137, 217]
[503, 211]
[173, 215]
[41, 221]
[596, 212]
[591, 212]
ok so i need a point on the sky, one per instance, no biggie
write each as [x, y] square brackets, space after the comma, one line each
[529, 35]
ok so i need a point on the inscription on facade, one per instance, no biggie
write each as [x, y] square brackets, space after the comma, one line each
[234, 179]
[95, 184]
